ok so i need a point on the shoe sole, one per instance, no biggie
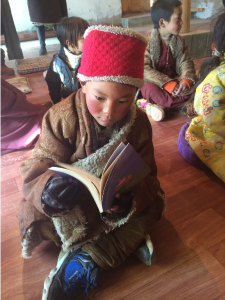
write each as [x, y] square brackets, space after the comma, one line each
[156, 112]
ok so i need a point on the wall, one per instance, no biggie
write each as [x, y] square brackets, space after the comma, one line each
[130, 6]
[211, 7]
[94, 11]
[98, 11]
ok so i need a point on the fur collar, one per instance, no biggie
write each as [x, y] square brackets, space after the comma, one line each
[175, 45]
[95, 162]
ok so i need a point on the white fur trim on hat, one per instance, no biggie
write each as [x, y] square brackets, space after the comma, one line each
[120, 79]
[116, 30]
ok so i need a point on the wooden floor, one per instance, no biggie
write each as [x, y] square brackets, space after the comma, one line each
[189, 240]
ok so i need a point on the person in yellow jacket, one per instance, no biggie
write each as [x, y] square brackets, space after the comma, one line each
[206, 133]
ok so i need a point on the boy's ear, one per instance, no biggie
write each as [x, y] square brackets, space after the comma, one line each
[83, 86]
[161, 22]
[68, 43]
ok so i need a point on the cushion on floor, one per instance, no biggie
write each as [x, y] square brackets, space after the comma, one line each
[187, 152]
[32, 65]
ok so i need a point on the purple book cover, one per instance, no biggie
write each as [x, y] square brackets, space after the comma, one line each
[128, 170]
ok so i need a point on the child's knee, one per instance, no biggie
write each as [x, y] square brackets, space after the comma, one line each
[148, 90]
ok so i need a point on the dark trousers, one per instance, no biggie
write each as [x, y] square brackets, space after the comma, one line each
[155, 95]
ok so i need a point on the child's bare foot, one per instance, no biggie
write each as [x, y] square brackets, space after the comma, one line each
[188, 109]
[191, 110]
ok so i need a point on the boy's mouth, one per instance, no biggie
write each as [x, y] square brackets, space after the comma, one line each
[106, 121]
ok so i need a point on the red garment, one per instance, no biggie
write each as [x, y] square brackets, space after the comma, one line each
[157, 95]
[20, 119]
[166, 63]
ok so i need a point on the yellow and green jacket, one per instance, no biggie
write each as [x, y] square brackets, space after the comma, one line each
[206, 133]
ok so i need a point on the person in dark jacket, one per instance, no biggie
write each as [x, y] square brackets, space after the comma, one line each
[61, 76]
[12, 41]
[46, 12]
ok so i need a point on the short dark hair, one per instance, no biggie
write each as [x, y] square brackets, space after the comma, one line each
[163, 9]
[71, 29]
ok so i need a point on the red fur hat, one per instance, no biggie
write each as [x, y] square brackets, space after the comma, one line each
[113, 54]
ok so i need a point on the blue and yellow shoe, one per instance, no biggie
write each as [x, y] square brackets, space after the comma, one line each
[74, 273]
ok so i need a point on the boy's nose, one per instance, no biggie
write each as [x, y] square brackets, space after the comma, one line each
[109, 110]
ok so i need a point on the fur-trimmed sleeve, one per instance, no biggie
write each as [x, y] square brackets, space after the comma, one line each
[57, 143]
[185, 65]
[144, 192]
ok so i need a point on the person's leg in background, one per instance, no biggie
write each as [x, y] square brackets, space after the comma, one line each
[159, 99]
[11, 38]
[41, 37]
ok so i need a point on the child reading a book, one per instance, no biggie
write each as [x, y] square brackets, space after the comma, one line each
[61, 76]
[169, 70]
[84, 130]
[201, 141]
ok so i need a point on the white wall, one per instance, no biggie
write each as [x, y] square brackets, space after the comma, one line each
[211, 7]
[94, 11]
[98, 11]
[20, 15]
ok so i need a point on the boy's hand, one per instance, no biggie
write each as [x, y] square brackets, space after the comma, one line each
[175, 90]
[60, 193]
[179, 88]
[114, 207]
[121, 205]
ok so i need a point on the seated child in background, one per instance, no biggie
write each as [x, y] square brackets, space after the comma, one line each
[20, 119]
[61, 76]
[169, 70]
[202, 141]
[84, 130]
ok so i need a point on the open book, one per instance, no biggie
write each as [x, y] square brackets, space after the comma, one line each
[124, 169]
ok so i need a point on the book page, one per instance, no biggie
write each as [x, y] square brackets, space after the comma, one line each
[109, 166]
[114, 156]
[128, 170]
[90, 181]
[105, 177]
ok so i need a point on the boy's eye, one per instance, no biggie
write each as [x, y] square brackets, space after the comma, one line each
[98, 98]
[123, 101]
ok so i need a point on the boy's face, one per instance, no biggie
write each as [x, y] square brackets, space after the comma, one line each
[175, 23]
[76, 50]
[108, 101]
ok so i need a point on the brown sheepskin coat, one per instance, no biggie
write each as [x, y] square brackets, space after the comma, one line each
[67, 137]
[179, 49]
